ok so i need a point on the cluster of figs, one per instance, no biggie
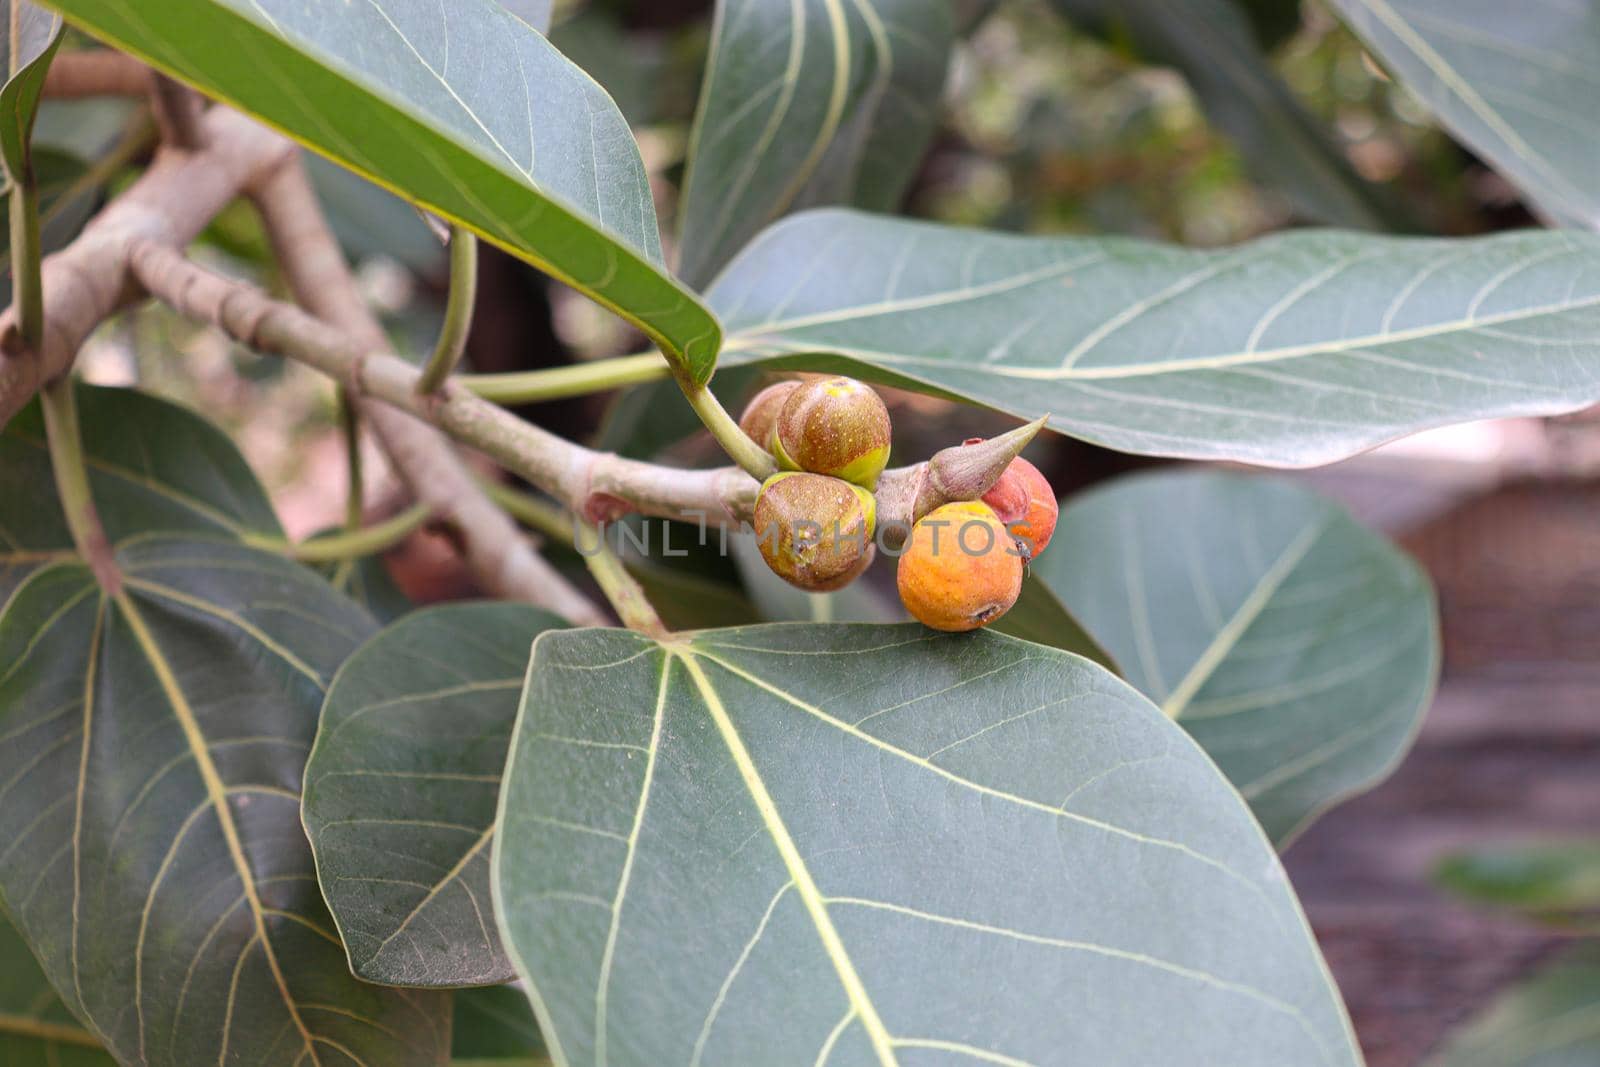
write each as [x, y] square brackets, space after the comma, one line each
[962, 565]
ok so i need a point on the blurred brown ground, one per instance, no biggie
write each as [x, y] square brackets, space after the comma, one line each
[1509, 752]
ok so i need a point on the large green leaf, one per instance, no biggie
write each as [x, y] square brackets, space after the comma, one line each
[1291, 350]
[1213, 44]
[808, 102]
[150, 811]
[1550, 1020]
[152, 466]
[1515, 82]
[401, 788]
[462, 107]
[1299, 648]
[877, 844]
[36, 1029]
[31, 36]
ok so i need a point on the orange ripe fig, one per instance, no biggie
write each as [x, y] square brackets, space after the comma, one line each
[815, 532]
[834, 426]
[960, 568]
[1024, 501]
[761, 414]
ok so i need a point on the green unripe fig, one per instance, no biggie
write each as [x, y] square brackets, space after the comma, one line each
[760, 416]
[815, 532]
[834, 426]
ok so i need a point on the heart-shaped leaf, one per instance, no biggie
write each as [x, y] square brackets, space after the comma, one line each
[36, 1029]
[1299, 648]
[150, 810]
[1288, 351]
[462, 107]
[808, 102]
[1548, 1020]
[152, 466]
[401, 789]
[1213, 45]
[876, 844]
[1515, 82]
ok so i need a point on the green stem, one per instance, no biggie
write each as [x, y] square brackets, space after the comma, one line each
[457, 310]
[535, 512]
[60, 404]
[352, 544]
[625, 594]
[350, 427]
[755, 460]
[27, 291]
[555, 383]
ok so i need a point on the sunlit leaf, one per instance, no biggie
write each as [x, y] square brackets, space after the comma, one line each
[401, 788]
[150, 809]
[1515, 82]
[1291, 350]
[793, 844]
[153, 466]
[1299, 648]
[462, 107]
[808, 102]
[36, 1029]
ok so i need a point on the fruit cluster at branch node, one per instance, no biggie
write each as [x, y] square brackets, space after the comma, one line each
[815, 532]
[960, 568]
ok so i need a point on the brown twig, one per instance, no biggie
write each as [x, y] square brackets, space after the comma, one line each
[99, 72]
[85, 283]
[178, 110]
[497, 553]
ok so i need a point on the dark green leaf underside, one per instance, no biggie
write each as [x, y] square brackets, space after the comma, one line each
[36, 1029]
[1291, 350]
[150, 809]
[874, 844]
[461, 107]
[1515, 82]
[153, 466]
[401, 789]
[1297, 647]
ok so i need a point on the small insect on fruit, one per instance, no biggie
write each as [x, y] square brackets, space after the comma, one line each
[833, 426]
[960, 568]
[1024, 501]
[815, 532]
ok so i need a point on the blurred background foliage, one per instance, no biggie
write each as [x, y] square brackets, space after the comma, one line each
[1052, 124]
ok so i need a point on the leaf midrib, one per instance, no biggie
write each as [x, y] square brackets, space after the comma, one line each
[217, 795]
[815, 903]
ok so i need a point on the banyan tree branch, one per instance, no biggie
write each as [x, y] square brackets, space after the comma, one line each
[597, 486]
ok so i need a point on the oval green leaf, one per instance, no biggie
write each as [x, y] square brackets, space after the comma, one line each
[401, 789]
[150, 811]
[36, 1029]
[1299, 648]
[153, 466]
[1292, 350]
[794, 844]
[1515, 82]
[1559, 881]
[462, 108]
[808, 102]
